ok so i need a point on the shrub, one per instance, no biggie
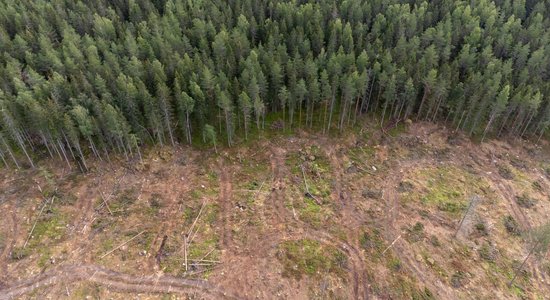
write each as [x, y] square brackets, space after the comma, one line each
[525, 201]
[511, 225]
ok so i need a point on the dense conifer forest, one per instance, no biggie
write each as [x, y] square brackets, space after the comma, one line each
[89, 78]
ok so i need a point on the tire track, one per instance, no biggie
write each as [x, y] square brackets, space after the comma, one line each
[400, 247]
[168, 215]
[225, 197]
[353, 220]
[508, 194]
[9, 242]
[112, 280]
[337, 193]
[82, 224]
[277, 197]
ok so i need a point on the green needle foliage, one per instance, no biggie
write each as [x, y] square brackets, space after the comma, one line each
[81, 78]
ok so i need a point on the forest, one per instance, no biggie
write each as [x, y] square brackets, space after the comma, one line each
[82, 79]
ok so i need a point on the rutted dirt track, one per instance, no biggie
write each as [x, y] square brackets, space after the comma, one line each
[9, 241]
[394, 234]
[226, 204]
[111, 280]
[250, 219]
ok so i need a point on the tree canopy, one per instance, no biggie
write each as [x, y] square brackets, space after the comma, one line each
[81, 78]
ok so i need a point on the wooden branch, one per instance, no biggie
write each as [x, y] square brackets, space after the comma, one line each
[205, 260]
[391, 245]
[516, 272]
[117, 247]
[185, 251]
[158, 256]
[35, 222]
[202, 271]
[305, 181]
[106, 203]
[196, 219]
[205, 256]
[308, 194]
[260, 188]
[193, 236]
[364, 170]
[474, 199]
[201, 264]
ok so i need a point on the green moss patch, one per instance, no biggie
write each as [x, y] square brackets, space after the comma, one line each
[446, 188]
[311, 258]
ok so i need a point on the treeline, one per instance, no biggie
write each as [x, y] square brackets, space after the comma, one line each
[81, 78]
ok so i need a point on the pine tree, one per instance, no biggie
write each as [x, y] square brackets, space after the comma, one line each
[209, 135]
[246, 108]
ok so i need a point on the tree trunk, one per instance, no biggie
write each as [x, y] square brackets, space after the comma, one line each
[3, 159]
[10, 152]
[187, 128]
[370, 94]
[81, 156]
[436, 108]
[523, 263]
[284, 121]
[460, 121]
[384, 112]
[64, 153]
[350, 104]
[426, 90]
[54, 146]
[46, 144]
[528, 123]
[487, 127]
[363, 98]
[123, 146]
[94, 149]
[300, 114]
[139, 153]
[343, 105]
[504, 122]
[331, 109]
[325, 116]
[68, 144]
[22, 145]
[541, 133]
[516, 119]
[167, 121]
[27, 137]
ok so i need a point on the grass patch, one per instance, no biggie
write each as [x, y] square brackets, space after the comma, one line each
[361, 155]
[394, 264]
[155, 204]
[505, 172]
[511, 225]
[120, 205]
[525, 201]
[372, 242]
[2, 242]
[446, 188]
[49, 229]
[311, 258]
[18, 253]
[398, 130]
[44, 259]
[457, 279]
[415, 233]
[481, 229]
[310, 212]
[402, 287]
[487, 252]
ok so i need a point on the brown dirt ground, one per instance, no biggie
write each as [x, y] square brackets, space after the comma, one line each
[386, 206]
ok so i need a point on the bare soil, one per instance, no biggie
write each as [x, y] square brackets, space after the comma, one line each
[253, 232]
